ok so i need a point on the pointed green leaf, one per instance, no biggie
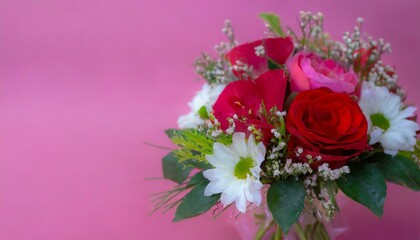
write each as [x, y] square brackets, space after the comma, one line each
[198, 164]
[366, 185]
[170, 132]
[202, 112]
[289, 100]
[173, 169]
[272, 65]
[195, 203]
[286, 199]
[196, 179]
[400, 170]
[274, 22]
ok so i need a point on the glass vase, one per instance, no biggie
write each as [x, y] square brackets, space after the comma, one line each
[258, 224]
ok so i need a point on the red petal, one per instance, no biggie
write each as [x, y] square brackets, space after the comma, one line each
[278, 49]
[239, 97]
[245, 53]
[271, 86]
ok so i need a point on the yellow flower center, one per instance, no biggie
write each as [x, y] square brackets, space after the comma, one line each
[380, 121]
[243, 167]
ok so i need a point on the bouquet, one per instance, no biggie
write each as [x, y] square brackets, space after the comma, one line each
[288, 121]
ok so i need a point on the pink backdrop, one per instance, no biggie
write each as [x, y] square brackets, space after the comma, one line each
[84, 83]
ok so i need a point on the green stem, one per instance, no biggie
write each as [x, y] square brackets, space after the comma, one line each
[323, 233]
[300, 232]
[314, 229]
[279, 234]
[263, 230]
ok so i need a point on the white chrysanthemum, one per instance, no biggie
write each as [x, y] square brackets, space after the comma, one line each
[202, 103]
[388, 123]
[237, 171]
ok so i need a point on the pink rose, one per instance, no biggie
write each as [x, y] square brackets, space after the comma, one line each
[310, 71]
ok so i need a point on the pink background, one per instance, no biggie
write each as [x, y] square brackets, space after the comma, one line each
[84, 83]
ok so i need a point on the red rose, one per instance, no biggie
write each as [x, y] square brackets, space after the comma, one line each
[327, 124]
[244, 99]
[277, 49]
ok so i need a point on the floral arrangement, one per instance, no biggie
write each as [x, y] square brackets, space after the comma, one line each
[288, 121]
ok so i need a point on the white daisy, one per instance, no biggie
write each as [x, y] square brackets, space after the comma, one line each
[201, 105]
[237, 171]
[388, 123]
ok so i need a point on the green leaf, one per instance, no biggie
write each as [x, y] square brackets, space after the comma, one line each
[272, 65]
[366, 185]
[400, 170]
[224, 139]
[194, 144]
[173, 169]
[197, 164]
[289, 100]
[286, 199]
[274, 22]
[202, 112]
[195, 203]
[196, 179]
[170, 132]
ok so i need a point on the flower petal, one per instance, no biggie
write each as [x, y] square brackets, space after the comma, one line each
[225, 154]
[215, 187]
[271, 86]
[239, 144]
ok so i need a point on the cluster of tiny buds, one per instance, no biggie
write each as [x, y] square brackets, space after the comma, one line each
[260, 51]
[311, 26]
[291, 168]
[231, 129]
[338, 52]
[299, 150]
[277, 117]
[326, 202]
[257, 132]
[222, 48]
[310, 181]
[279, 147]
[220, 73]
[216, 132]
[308, 16]
[380, 44]
[242, 67]
[327, 173]
[213, 70]
[269, 31]
[201, 62]
[228, 30]
[380, 76]
[278, 113]
[276, 133]
[274, 168]
[276, 151]
[214, 128]
[352, 42]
